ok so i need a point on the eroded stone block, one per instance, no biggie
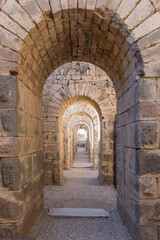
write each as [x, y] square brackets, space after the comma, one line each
[148, 162]
[148, 134]
[8, 92]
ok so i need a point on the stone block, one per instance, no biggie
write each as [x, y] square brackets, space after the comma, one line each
[18, 14]
[37, 163]
[48, 165]
[32, 9]
[107, 179]
[151, 53]
[44, 5]
[113, 5]
[39, 144]
[50, 126]
[64, 5]
[9, 147]
[38, 129]
[27, 145]
[130, 160]
[51, 155]
[31, 193]
[149, 110]
[132, 182]
[150, 211]
[107, 157]
[148, 134]
[10, 40]
[8, 54]
[8, 231]
[148, 162]
[55, 137]
[18, 172]
[38, 108]
[128, 219]
[133, 205]
[31, 125]
[107, 168]
[82, 4]
[147, 90]
[10, 206]
[56, 9]
[120, 136]
[150, 39]
[48, 177]
[25, 169]
[12, 26]
[72, 4]
[8, 68]
[10, 173]
[149, 232]
[51, 147]
[147, 26]
[47, 137]
[131, 135]
[126, 7]
[90, 5]
[120, 156]
[8, 123]
[21, 123]
[29, 219]
[30, 102]
[8, 92]
[148, 187]
[137, 15]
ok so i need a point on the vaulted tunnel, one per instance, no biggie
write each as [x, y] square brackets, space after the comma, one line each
[36, 37]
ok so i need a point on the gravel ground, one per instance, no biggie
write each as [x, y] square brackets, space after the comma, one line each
[81, 190]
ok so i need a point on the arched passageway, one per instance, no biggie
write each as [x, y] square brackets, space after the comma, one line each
[76, 125]
[88, 127]
[117, 36]
[82, 136]
[71, 100]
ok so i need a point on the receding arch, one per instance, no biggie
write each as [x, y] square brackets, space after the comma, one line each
[91, 135]
[63, 108]
[76, 129]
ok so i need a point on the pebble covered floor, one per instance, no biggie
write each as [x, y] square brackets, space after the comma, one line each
[81, 190]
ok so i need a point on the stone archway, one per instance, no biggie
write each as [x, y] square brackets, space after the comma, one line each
[62, 92]
[87, 114]
[81, 100]
[36, 38]
[72, 133]
[88, 143]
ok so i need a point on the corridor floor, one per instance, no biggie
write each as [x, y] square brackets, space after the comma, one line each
[81, 190]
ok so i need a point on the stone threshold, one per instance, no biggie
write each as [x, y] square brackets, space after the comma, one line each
[78, 212]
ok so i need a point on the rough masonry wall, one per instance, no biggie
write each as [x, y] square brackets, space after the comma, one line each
[21, 165]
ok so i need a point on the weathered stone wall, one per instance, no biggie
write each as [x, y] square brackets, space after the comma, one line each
[21, 152]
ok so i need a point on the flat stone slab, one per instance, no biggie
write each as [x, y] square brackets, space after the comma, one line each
[78, 212]
[82, 165]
